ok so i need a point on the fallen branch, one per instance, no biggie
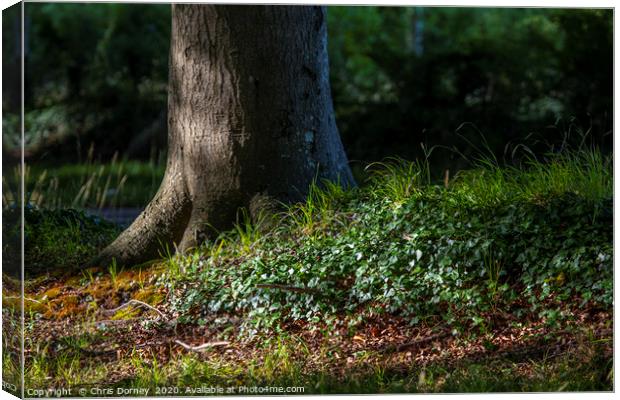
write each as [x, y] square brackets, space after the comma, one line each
[284, 287]
[130, 302]
[203, 346]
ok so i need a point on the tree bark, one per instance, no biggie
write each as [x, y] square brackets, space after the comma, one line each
[250, 115]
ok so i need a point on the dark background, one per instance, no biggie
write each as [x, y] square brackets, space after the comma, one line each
[96, 75]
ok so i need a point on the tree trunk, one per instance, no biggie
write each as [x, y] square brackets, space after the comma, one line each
[250, 115]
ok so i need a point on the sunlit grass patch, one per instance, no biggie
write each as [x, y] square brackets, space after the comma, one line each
[319, 212]
[92, 184]
[586, 173]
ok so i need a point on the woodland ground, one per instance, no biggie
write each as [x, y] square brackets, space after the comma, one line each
[497, 280]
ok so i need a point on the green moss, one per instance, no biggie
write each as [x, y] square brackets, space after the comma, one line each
[55, 240]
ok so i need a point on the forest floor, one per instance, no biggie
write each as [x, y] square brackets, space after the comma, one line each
[498, 281]
[76, 343]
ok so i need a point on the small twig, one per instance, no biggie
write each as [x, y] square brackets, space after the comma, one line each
[203, 346]
[25, 299]
[147, 344]
[130, 302]
[284, 287]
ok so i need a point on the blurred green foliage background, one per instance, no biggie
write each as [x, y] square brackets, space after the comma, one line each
[96, 74]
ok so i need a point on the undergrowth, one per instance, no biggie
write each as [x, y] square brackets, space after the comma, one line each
[402, 245]
[496, 248]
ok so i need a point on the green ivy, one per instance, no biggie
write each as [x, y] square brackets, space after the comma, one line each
[427, 256]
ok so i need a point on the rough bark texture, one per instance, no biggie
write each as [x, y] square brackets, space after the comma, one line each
[250, 115]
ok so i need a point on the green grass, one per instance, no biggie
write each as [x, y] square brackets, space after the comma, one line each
[286, 367]
[283, 361]
[246, 233]
[399, 180]
[114, 271]
[585, 173]
[318, 212]
[119, 183]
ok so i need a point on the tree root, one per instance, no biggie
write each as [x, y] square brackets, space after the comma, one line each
[162, 222]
